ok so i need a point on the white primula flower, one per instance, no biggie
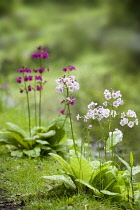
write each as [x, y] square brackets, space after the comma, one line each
[105, 103]
[78, 117]
[120, 101]
[123, 115]
[131, 124]
[91, 105]
[106, 113]
[106, 91]
[123, 121]
[131, 113]
[116, 104]
[108, 96]
[136, 121]
[114, 95]
[59, 89]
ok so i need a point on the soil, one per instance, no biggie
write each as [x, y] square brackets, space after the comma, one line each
[9, 203]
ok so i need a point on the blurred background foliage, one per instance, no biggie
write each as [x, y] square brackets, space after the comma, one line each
[100, 37]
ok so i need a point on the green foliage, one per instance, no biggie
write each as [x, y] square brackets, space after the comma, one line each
[43, 139]
[112, 141]
[103, 179]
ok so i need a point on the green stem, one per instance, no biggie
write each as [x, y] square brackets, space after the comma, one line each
[72, 133]
[132, 187]
[40, 107]
[35, 107]
[29, 116]
[28, 106]
[40, 96]
[89, 146]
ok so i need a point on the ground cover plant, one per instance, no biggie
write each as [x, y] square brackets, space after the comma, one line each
[103, 177]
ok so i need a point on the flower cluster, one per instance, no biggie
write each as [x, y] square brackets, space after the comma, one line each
[113, 95]
[69, 68]
[32, 77]
[99, 112]
[69, 100]
[67, 82]
[42, 53]
[129, 118]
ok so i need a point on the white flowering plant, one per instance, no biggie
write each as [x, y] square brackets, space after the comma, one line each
[102, 177]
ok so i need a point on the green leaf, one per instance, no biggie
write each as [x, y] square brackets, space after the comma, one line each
[14, 139]
[31, 140]
[48, 134]
[63, 163]
[81, 168]
[42, 142]
[95, 164]
[131, 160]
[60, 125]
[61, 178]
[96, 191]
[17, 153]
[33, 153]
[106, 192]
[17, 129]
[135, 170]
[125, 163]
[112, 141]
[3, 141]
[100, 169]
[36, 130]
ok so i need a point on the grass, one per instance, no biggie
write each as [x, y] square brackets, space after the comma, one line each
[21, 177]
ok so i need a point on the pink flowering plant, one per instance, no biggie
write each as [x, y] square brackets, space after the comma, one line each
[39, 140]
[66, 85]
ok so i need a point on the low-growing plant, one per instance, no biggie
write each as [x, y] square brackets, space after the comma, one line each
[42, 140]
[105, 180]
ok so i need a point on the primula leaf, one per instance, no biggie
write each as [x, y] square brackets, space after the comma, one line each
[48, 134]
[17, 129]
[3, 141]
[61, 178]
[100, 169]
[42, 142]
[61, 126]
[105, 177]
[96, 191]
[31, 141]
[63, 163]
[106, 192]
[14, 139]
[131, 159]
[95, 164]
[81, 168]
[17, 153]
[33, 153]
[112, 141]
[135, 170]
[36, 130]
[125, 163]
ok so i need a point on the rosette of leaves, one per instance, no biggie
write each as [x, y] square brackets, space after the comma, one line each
[42, 141]
[101, 179]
